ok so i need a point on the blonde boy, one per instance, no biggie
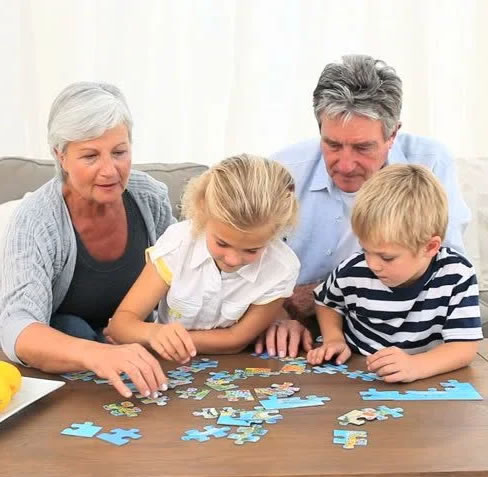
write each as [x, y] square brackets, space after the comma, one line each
[407, 303]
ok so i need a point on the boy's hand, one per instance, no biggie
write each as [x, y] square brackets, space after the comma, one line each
[328, 350]
[394, 365]
[173, 342]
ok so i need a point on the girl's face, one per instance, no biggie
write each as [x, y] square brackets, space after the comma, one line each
[231, 249]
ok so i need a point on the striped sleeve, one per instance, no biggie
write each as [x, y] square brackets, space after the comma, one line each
[463, 322]
[330, 294]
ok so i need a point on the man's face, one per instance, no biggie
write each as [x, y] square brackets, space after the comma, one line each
[353, 150]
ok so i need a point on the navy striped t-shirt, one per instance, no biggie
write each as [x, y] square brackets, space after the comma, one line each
[441, 306]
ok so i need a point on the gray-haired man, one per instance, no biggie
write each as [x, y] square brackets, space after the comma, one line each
[357, 104]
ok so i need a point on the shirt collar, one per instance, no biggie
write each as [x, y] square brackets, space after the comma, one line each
[396, 155]
[201, 254]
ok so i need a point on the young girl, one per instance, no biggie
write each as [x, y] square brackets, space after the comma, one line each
[220, 276]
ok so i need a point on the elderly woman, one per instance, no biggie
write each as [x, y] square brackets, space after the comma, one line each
[76, 245]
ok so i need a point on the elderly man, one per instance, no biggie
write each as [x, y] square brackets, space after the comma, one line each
[357, 104]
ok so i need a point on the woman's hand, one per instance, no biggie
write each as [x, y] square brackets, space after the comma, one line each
[144, 370]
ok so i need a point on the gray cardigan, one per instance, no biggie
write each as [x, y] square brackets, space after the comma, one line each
[39, 252]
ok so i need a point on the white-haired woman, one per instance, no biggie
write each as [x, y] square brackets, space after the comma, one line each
[76, 245]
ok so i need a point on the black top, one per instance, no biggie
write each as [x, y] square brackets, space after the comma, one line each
[98, 287]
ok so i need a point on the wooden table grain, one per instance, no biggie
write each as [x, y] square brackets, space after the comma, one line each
[434, 438]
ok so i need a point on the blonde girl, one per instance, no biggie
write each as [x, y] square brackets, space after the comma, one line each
[220, 276]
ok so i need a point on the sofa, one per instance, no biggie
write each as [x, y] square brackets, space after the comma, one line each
[20, 175]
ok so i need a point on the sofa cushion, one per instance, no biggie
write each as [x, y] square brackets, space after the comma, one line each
[19, 175]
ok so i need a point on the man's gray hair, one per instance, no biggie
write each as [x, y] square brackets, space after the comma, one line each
[84, 111]
[359, 86]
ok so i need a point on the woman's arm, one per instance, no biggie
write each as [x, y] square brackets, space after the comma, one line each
[235, 338]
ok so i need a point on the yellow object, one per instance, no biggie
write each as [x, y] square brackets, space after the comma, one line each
[11, 375]
[5, 394]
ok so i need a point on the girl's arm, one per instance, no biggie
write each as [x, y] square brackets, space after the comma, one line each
[235, 338]
[171, 341]
[128, 325]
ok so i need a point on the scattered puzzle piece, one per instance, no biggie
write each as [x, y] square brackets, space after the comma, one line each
[86, 429]
[124, 408]
[174, 382]
[362, 375]
[294, 368]
[453, 390]
[360, 416]
[236, 395]
[79, 376]
[193, 393]
[292, 402]
[202, 436]
[350, 439]
[277, 390]
[119, 437]
[330, 368]
[160, 400]
[247, 434]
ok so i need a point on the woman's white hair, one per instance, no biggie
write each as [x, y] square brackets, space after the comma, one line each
[84, 111]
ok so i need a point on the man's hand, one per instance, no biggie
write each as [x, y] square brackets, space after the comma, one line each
[286, 337]
[172, 341]
[109, 361]
[394, 365]
[328, 350]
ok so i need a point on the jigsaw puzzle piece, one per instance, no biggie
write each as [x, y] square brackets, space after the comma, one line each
[86, 429]
[119, 437]
[247, 434]
[236, 395]
[202, 436]
[293, 402]
[350, 439]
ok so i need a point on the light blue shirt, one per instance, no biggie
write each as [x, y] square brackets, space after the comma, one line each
[324, 214]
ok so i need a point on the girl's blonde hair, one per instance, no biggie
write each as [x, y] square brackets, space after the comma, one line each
[401, 204]
[244, 192]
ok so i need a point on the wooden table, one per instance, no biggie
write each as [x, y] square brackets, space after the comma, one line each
[433, 438]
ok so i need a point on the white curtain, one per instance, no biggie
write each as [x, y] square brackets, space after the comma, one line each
[209, 78]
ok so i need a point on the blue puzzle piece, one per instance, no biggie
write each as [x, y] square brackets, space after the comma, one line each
[119, 437]
[264, 355]
[202, 436]
[362, 375]
[453, 391]
[330, 368]
[293, 402]
[87, 429]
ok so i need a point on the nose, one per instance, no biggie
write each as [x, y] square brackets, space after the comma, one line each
[108, 168]
[345, 163]
[232, 259]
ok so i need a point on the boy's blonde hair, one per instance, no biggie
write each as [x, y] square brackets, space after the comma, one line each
[244, 192]
[401, 204]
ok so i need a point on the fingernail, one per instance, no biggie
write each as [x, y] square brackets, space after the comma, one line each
[271, 352]
[147, 393]
[128, 394]
[164, 387]
[193, 353]
[282, 354]
[155, 395]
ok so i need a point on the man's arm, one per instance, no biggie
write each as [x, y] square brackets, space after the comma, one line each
[289, 330]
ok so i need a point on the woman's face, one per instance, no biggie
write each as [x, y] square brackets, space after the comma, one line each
[97, 170]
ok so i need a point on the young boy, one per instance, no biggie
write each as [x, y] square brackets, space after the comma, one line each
[406, 302]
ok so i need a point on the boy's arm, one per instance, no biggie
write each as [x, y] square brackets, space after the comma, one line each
[395, 365]
[445, 357]
[330, 322]
[235, 338]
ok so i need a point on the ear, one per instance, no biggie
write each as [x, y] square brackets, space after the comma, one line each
[432, 246]
[393, 136]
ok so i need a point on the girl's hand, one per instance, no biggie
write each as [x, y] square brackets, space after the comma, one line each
[173, 342]
[394, 365]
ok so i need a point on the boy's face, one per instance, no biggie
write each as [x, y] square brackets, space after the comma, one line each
[396, 265]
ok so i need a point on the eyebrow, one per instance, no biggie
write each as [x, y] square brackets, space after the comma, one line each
[123, 143]
[328, 140]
